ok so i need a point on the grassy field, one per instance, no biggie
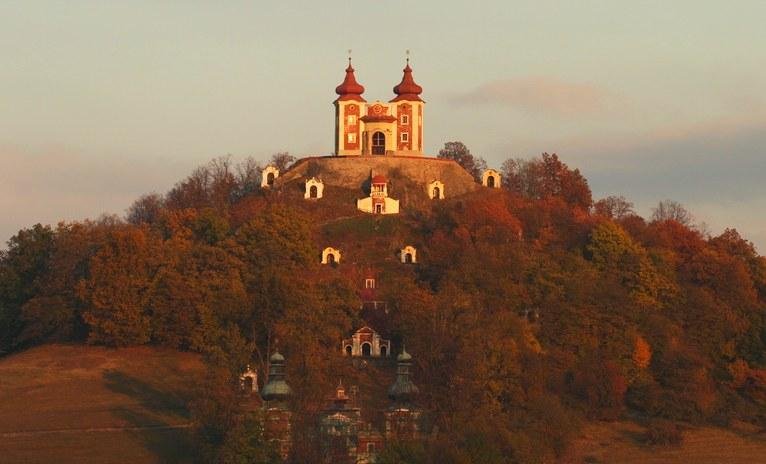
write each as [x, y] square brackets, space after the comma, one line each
[78, 404]
[82, 404]
[620, 442]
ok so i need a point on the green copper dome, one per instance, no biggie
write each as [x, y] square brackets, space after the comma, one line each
[404, 356]
[403, 390]
[276, 389]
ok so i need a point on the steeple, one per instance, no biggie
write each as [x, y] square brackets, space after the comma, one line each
[407, 88]
[276, 389]
[403, 391]
[276, 427]
[350, 89]
[340, 399]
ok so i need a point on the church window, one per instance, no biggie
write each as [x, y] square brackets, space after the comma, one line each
[352, 138]
[405, 119]
[366, 350]
[383, 351]
[405, 136]
[378, 143]
[369, 283]
[351, 120]
[349, 350]
[370, 447]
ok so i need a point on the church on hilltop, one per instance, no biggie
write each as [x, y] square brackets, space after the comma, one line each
[379, 128]
[379, 157]
[377, 144]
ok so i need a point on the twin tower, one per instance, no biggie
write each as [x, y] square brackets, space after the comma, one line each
[379, 128]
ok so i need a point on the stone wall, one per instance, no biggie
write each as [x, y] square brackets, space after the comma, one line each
[354, 172]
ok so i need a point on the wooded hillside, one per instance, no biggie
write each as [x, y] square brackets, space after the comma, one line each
[531, 308]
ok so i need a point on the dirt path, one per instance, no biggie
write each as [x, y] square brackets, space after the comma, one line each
[31, 433]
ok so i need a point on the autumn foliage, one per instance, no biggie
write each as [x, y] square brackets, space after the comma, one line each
[531, 308]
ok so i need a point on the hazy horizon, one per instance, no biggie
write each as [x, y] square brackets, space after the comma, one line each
[103, 102]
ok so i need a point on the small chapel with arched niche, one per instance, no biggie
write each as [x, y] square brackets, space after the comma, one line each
[330, 255]
[378, 202]
[490, 178]
[268, 176]
[408, 255]
[366, 343]
[314, 189]
[435, 190]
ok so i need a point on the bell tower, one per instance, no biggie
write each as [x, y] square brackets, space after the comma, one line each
[348, 111]
[409, 114]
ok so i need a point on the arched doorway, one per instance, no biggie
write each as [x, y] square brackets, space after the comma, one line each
[408, 258]
[247, 384]
[491, 181]
[437, 193]
[270, 178]
[383, 351]
[348, 350]
[313, 191]
[366, 350]
[378, 143]
[331, 258]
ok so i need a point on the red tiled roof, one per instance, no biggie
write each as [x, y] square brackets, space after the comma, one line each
[407, 89]
[350, 89]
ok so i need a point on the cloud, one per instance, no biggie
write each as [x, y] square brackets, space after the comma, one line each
[544, 95]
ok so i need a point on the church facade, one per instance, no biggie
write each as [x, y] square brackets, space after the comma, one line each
[379, 128]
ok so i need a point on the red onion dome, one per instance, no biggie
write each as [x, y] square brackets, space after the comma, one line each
[379, 179]
[350, 89]
[408, 89]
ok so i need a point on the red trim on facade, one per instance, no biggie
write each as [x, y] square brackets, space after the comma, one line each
[404, 110]
[351, 110]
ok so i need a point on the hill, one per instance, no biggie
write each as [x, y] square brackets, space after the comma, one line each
[602, 443]
[86, 404]
[532, 309]
[354, 172]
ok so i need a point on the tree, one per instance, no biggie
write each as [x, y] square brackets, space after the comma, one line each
[146, 209]
[22, 267]
[213, 185]
[669, 210]
[282, 160]
[117, 291]
[547, 177]
[613, 251]
[196, 293]
[225, 433]
[458, 152]
[642, 353]
[54, 313]
[614, 207]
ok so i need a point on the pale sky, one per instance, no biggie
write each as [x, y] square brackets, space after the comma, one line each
[102, 101]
